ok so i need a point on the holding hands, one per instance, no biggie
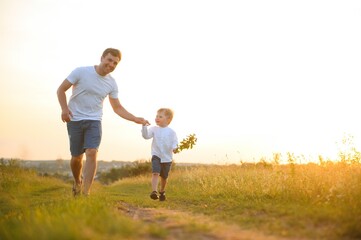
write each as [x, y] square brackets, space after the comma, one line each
[142, 121]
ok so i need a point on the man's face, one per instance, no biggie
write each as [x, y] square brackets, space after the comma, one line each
[109, 63]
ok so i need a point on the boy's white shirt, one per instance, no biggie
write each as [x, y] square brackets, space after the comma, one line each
[164, 141]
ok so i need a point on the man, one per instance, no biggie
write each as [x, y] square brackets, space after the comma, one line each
[83, 114]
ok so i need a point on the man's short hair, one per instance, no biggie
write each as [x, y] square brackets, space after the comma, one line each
[113, 51]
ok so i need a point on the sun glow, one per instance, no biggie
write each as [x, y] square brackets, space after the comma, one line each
[249, 79]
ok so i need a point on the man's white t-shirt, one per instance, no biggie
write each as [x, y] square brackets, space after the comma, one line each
[89, 91]
[164, 141]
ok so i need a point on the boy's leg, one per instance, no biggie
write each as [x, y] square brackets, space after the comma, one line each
[163, 183]
[163, 179]
[165, 169]
[155, 178]
[154, 193]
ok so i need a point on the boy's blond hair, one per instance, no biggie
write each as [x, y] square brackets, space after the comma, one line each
[167, 112]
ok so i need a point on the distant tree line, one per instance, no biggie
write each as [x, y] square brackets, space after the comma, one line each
[135, 169]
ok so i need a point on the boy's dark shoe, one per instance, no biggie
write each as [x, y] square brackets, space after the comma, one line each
[162, 196]
[154, 195]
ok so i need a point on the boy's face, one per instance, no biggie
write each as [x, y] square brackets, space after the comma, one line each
[161, 120]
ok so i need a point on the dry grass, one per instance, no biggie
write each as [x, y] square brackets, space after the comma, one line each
[310, 201]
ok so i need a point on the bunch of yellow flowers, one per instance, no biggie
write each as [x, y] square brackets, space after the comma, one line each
[186, 143]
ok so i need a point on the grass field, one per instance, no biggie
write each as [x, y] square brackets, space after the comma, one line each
[301, 201]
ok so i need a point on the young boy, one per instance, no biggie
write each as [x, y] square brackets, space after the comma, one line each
[164, 144]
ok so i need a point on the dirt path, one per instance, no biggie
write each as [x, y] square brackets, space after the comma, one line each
[183, 225]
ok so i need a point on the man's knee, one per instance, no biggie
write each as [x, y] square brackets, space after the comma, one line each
[77, 158]
[91, 152]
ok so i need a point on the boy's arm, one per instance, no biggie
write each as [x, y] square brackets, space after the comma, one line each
[145, 132]
[175, 144]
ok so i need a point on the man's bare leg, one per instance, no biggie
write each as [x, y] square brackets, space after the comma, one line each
[89, 169]
[76, 165]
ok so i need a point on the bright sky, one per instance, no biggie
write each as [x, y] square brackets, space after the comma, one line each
[249, 78]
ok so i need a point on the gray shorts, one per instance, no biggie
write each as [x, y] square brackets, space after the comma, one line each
[84, 134]
[161, 168]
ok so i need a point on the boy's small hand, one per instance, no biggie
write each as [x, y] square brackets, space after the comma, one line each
[140, 120]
